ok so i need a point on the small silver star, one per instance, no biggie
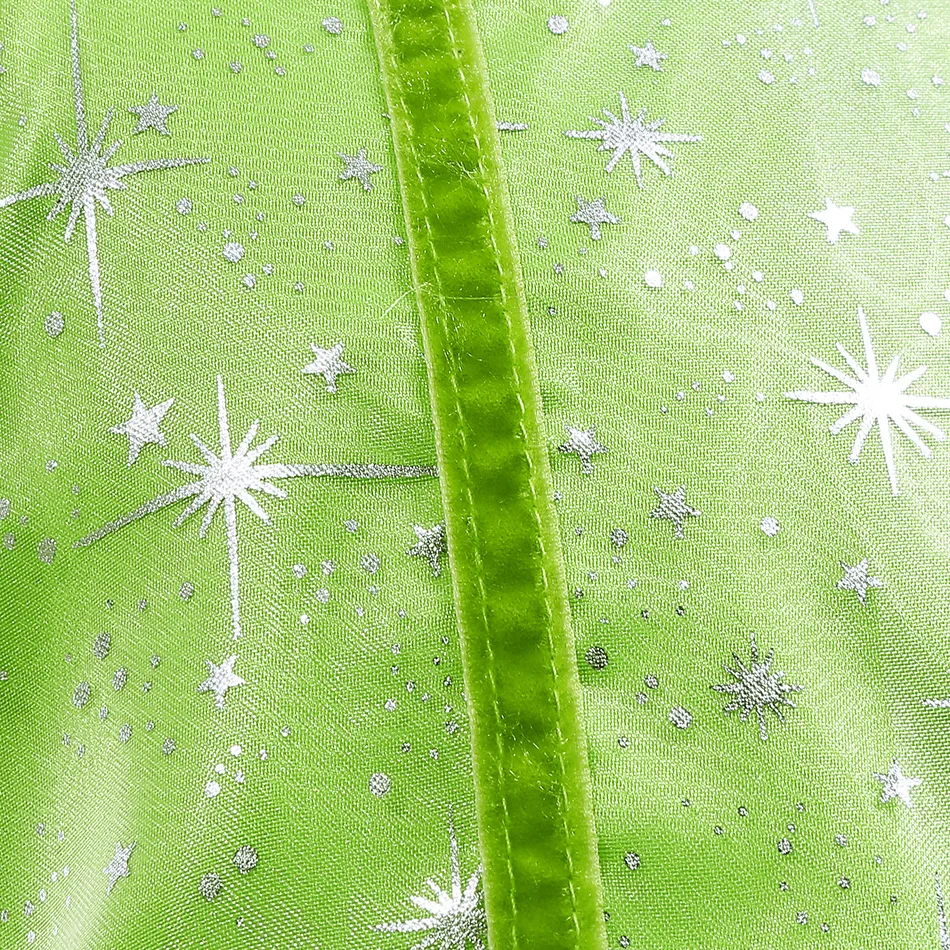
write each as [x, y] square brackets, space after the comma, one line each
[431, 545]
[648, 56]
[143, 427]
[583, 444]
[359, 167]
[329, 365]
[857, 578]
[221, 679]
[897, 785]
[835, 219]
[119, 865]
[673, 507]
[153, 115]
[594, 214]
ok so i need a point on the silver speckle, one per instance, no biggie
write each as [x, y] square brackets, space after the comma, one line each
[47, 550]
[81, 695]
[54, 323]
[245, 858]
[379, 783]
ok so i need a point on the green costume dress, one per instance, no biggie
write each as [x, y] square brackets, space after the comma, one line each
[425, 510]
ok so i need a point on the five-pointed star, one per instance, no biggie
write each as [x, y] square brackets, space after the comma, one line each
[221, 679]
[875, 397]
[329, 364]
[836, 219]
[648, 56]
[583, 444]
[593, 214]
[119, 865]
[143, 427]
[360, 167]
[897, 785]
[153, 115]
[857, 578]
[431, 545]
[673, 507]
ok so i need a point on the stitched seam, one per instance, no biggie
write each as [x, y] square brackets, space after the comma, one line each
[549, 618]
[467, 485]
[467, 481]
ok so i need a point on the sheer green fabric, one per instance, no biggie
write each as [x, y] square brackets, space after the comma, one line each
[240, 693]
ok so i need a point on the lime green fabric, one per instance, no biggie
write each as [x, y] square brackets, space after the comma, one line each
[532, 787]
[268, 732]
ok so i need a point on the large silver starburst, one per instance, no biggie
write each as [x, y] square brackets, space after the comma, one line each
[227, 477]
[757, 688]
[635, 136]
[457, 918]
[877, 399]
[86, 177]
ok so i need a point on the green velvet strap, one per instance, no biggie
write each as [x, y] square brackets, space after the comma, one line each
[541, 874]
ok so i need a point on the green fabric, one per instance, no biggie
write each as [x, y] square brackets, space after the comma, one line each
[542, 883]
[675, 342]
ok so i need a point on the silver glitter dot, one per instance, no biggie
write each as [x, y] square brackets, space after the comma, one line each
[632, 860]
[233, 251]
[379, 783]
[120, 678]
[46, 550]
[81, 695]
[125, 733]
[168, 746]
[210, 886]
[101, 645]
[785, 846]
[184, 206]
[186, 590]
[54, 324]
[332, 25]
[261, 41]
[245, 858]
[596, 657]
[680, 717]
[558, 25]
[369, 563]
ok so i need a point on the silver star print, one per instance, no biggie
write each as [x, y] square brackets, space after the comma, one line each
[358, 166]
[153, 115]
[897, 785]
[673, 507]
[143, 427]
[230, 476]
[457, 918]
[857, 577]
[757, 687]
[635, 136]
[937, 703]
[944, 931]
[430, 545]
[648, 56]
[835, 219]
[583, 444]
[221, 679]
[593, 214]
[119, 865]
[87, 176]
[877, 399]
[329, 364]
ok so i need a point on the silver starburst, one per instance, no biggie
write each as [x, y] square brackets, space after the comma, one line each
[879, 400]
[457, 918]
[757, 688]
[227, 477]
[86, 178]
[636, 136]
